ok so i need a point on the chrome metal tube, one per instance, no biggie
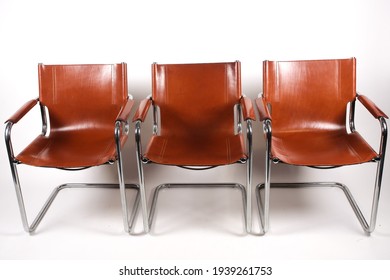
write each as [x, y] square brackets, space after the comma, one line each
[15, 176]
[44, 119]
[379, 174]
[248, 211]
[159, 188]
[268, 133]
[141, 175]
[122, 189]
[352, 116]
[367, 228]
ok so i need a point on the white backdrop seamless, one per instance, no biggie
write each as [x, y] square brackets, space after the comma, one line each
[143, 32]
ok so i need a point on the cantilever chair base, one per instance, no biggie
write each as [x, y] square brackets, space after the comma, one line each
[366, 227]
[196, 185]
[31, 228]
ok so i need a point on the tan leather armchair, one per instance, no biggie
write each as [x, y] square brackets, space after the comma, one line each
[197, 122]
[304, 110]
[85, 111]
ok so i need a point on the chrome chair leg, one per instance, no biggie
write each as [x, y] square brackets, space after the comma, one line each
[31, 228]
[197, 185]
[264, 207]
[379, 174]
[249, 167]
[141, 176]
[19, 196]
[121, 177]
[367, 227]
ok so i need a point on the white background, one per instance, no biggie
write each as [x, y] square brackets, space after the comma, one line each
[191, 224]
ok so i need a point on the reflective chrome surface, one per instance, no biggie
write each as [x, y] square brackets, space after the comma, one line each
[141, 175]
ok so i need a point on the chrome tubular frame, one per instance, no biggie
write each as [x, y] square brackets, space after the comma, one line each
[141, 175]
[118, 125]
[237, 119]
[379, 174]
[264, 207]
[13, 162]
[44, 119]
[352, 116]
[367, 227]
[128, 222]
[196, 185]
[156, 120]
[245, 191]
[249, 167]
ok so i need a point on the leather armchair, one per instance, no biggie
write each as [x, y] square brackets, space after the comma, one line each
[304, 110]
[197, 114]
[85, 111]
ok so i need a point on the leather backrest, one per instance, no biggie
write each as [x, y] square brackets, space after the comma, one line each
[196, 98]
[86, 96]
[309, 95]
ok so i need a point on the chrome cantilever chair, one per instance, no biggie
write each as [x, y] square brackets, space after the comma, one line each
[197, 123]
[85, 111]
[304, 110]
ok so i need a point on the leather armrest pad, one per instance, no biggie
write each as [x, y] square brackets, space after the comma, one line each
[263, 109]
[371, 107]
[19, 114]
[125, 112]
[142, 110]
[247, 108]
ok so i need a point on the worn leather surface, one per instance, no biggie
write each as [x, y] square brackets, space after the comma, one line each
[196, 103]
[262, 109]
[19, 114]
[308, 102]
[371, 107]
[142, 110]
[83, 103]
[124, 114]
[248, 111]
